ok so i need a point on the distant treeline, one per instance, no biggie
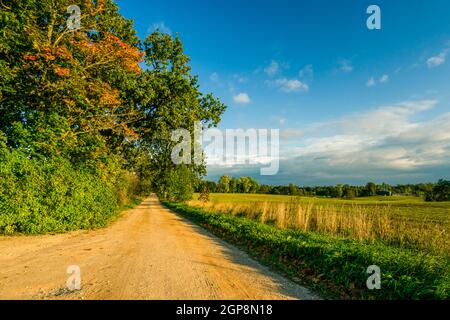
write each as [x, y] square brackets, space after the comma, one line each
[439, 191]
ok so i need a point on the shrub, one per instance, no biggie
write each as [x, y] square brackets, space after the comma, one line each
[51, 195]
[178, 184]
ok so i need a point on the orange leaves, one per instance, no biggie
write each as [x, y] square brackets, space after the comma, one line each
[128, 56]
[93, 11]
[30, 57]
[64, 53]
[129, 133]
[48, 57]
[56, 59]
[101, 5]
[110, 98]
[69, 102]
[62, 72]
[110, 50]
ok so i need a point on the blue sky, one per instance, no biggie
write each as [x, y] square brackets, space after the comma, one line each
[352, 104]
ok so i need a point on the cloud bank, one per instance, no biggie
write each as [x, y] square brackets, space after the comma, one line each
[385, 144]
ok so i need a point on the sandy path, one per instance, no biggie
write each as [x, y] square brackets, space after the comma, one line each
[149, 253]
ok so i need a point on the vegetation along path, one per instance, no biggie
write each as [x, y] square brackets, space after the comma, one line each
[150, 253]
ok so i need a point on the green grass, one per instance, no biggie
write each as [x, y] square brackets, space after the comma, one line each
[336, 268]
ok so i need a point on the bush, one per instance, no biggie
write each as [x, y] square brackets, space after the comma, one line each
[51, 195]
[178, 184]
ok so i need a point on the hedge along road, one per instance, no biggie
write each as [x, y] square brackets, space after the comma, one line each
[149, 253]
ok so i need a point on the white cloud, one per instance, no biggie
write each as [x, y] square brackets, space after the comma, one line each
[291, 134]
[242, 98]
[378, 140]
[214, 77]
[436, 61]
[306, 72]
[384, 144]
[371, 82]
[273, 68]
[289, 85]
[345, 65]
[384, 78]
[240, 78]
[282, 121]
[161, 26]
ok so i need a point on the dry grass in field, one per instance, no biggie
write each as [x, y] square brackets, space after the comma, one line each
[364, 223]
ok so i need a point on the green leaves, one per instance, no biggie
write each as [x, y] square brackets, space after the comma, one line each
[82, 126]
[38, 195]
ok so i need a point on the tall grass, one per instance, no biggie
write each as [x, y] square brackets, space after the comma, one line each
[334, 267]
[363, 223]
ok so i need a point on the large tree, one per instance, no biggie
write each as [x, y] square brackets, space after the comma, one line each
[95, 98]
[62, 91]
[177, 103]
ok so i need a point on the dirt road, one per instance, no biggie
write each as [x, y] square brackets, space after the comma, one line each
[149, 253]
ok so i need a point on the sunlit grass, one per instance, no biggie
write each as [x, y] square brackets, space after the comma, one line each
[405, 222]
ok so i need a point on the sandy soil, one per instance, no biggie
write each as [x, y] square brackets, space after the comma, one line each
[149, 253]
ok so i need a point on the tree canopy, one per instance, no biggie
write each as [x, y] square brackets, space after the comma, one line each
[97, 96]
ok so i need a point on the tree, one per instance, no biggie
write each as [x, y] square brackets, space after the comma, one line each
[244, 184]
[441, 192]
[212, 186]
[204, 194]
[80, 100]
[233, 185]
[224, 184]
[371, 189]
[339, 191]
[293, 189]
[169, 99]
[178, 185]
[349, 191]
[64, 95]
[254, 186]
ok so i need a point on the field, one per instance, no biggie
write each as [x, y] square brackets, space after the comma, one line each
[405, 206]
[329, 243]
[405, 222]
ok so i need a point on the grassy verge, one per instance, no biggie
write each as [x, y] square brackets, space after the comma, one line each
[334, 267]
